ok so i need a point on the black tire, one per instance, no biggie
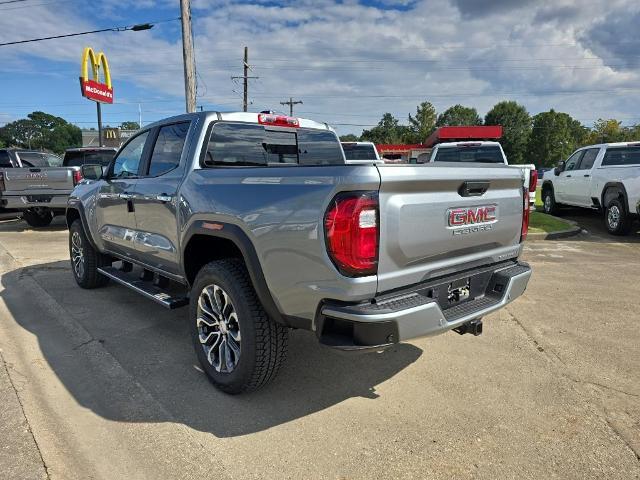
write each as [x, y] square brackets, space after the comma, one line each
[261, 342]
[85, 271]
[616, 218]
[40, 217]
[549, 205]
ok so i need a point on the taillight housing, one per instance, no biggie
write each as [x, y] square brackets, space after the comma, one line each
[351, 226]
[278, 120]
[77, 177]
[533, 180]
[525, 215]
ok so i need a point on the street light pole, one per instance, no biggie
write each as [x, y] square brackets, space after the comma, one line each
[188, 56]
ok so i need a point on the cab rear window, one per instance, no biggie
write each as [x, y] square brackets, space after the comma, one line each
[238, 144]
[477, 154]
[621, 156]
[353, 151]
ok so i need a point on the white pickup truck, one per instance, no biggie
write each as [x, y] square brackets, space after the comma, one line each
[484, 152]
[604, 177]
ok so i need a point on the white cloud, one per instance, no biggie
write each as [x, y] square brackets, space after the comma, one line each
[349, 62]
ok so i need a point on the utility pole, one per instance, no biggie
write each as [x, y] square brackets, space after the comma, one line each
[245, 80]
[291, 103]
[188, 57]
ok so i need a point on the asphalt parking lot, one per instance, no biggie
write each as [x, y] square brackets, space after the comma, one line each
[103, 384]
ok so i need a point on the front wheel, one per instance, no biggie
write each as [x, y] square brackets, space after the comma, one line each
[616, 218]
[38, 217]
[85, 259]
[549, 204]
[238, 346]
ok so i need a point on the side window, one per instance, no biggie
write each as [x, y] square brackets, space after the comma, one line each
[168, 148]
[621, 156]
[5, 161]
[588, 158]
[128, 161]
[572, 163]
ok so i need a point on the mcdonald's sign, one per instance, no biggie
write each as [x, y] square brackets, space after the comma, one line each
[92, 88]
[112, 134]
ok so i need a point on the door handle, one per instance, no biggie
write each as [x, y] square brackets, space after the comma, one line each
[587, 175]
[568, 176]
[164, 198]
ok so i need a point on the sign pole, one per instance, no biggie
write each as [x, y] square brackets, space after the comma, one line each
[99, 110]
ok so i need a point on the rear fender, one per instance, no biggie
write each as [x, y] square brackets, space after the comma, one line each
[612, 191]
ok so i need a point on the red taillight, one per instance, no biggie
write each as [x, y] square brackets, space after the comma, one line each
[351, 231]
[278, 120]
[77, 177]
[525, 216]
[533, 180]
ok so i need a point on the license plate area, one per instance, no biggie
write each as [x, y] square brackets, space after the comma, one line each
[459, 290]
[39, 198]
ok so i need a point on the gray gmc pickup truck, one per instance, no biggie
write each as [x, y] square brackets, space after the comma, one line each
[255, 222]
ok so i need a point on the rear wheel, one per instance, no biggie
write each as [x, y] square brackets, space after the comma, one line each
[38, 217]
[238, 346]
[549, 204]
[616, 218]
[85, 260]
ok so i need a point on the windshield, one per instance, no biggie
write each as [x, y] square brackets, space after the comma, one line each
[38, 159]
[80, 157]
[353, 151]
[470, 153]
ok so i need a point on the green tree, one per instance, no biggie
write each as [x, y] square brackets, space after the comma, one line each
[608, 130]
[459, 115]
[42, 131]
[554, 136]
[516, 129]
[422, 125]
[388, 130]
[130, 126]
[350, 137]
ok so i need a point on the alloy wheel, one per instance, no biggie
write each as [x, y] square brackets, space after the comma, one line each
[613, 217]
[218, 329]
[77, 254]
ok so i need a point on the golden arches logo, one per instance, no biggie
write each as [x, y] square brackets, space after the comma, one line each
[111, 134]
[92, 88]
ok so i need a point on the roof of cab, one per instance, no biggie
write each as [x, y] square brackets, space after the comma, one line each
[248, 117]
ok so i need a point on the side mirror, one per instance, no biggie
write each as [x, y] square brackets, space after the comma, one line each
[559, 169]
[91, 171]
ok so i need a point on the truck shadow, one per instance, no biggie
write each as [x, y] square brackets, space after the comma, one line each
[12, 224]
[593, 222]
[153, 347]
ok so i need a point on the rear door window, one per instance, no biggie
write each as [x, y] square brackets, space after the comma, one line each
[235, 144]
[168, 148]
[5, 160]
[621, 156]
[469, 153]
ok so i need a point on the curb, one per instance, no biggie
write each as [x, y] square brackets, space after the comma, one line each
[569, 232]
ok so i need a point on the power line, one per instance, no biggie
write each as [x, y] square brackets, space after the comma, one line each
[134, 28]
[12, 1]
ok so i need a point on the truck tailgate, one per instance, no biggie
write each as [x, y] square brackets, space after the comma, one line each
[33, 180]
[430, 226]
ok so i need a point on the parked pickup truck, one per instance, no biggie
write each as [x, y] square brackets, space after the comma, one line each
[255, 222]
[604, 177]
[484, 152]
[35, 184]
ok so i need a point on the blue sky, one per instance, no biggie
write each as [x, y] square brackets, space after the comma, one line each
[348, 61]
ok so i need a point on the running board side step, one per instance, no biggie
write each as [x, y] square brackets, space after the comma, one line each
[144, 288]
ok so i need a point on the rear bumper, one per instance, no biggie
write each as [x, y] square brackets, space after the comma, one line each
[419, 311]
[23, 202]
